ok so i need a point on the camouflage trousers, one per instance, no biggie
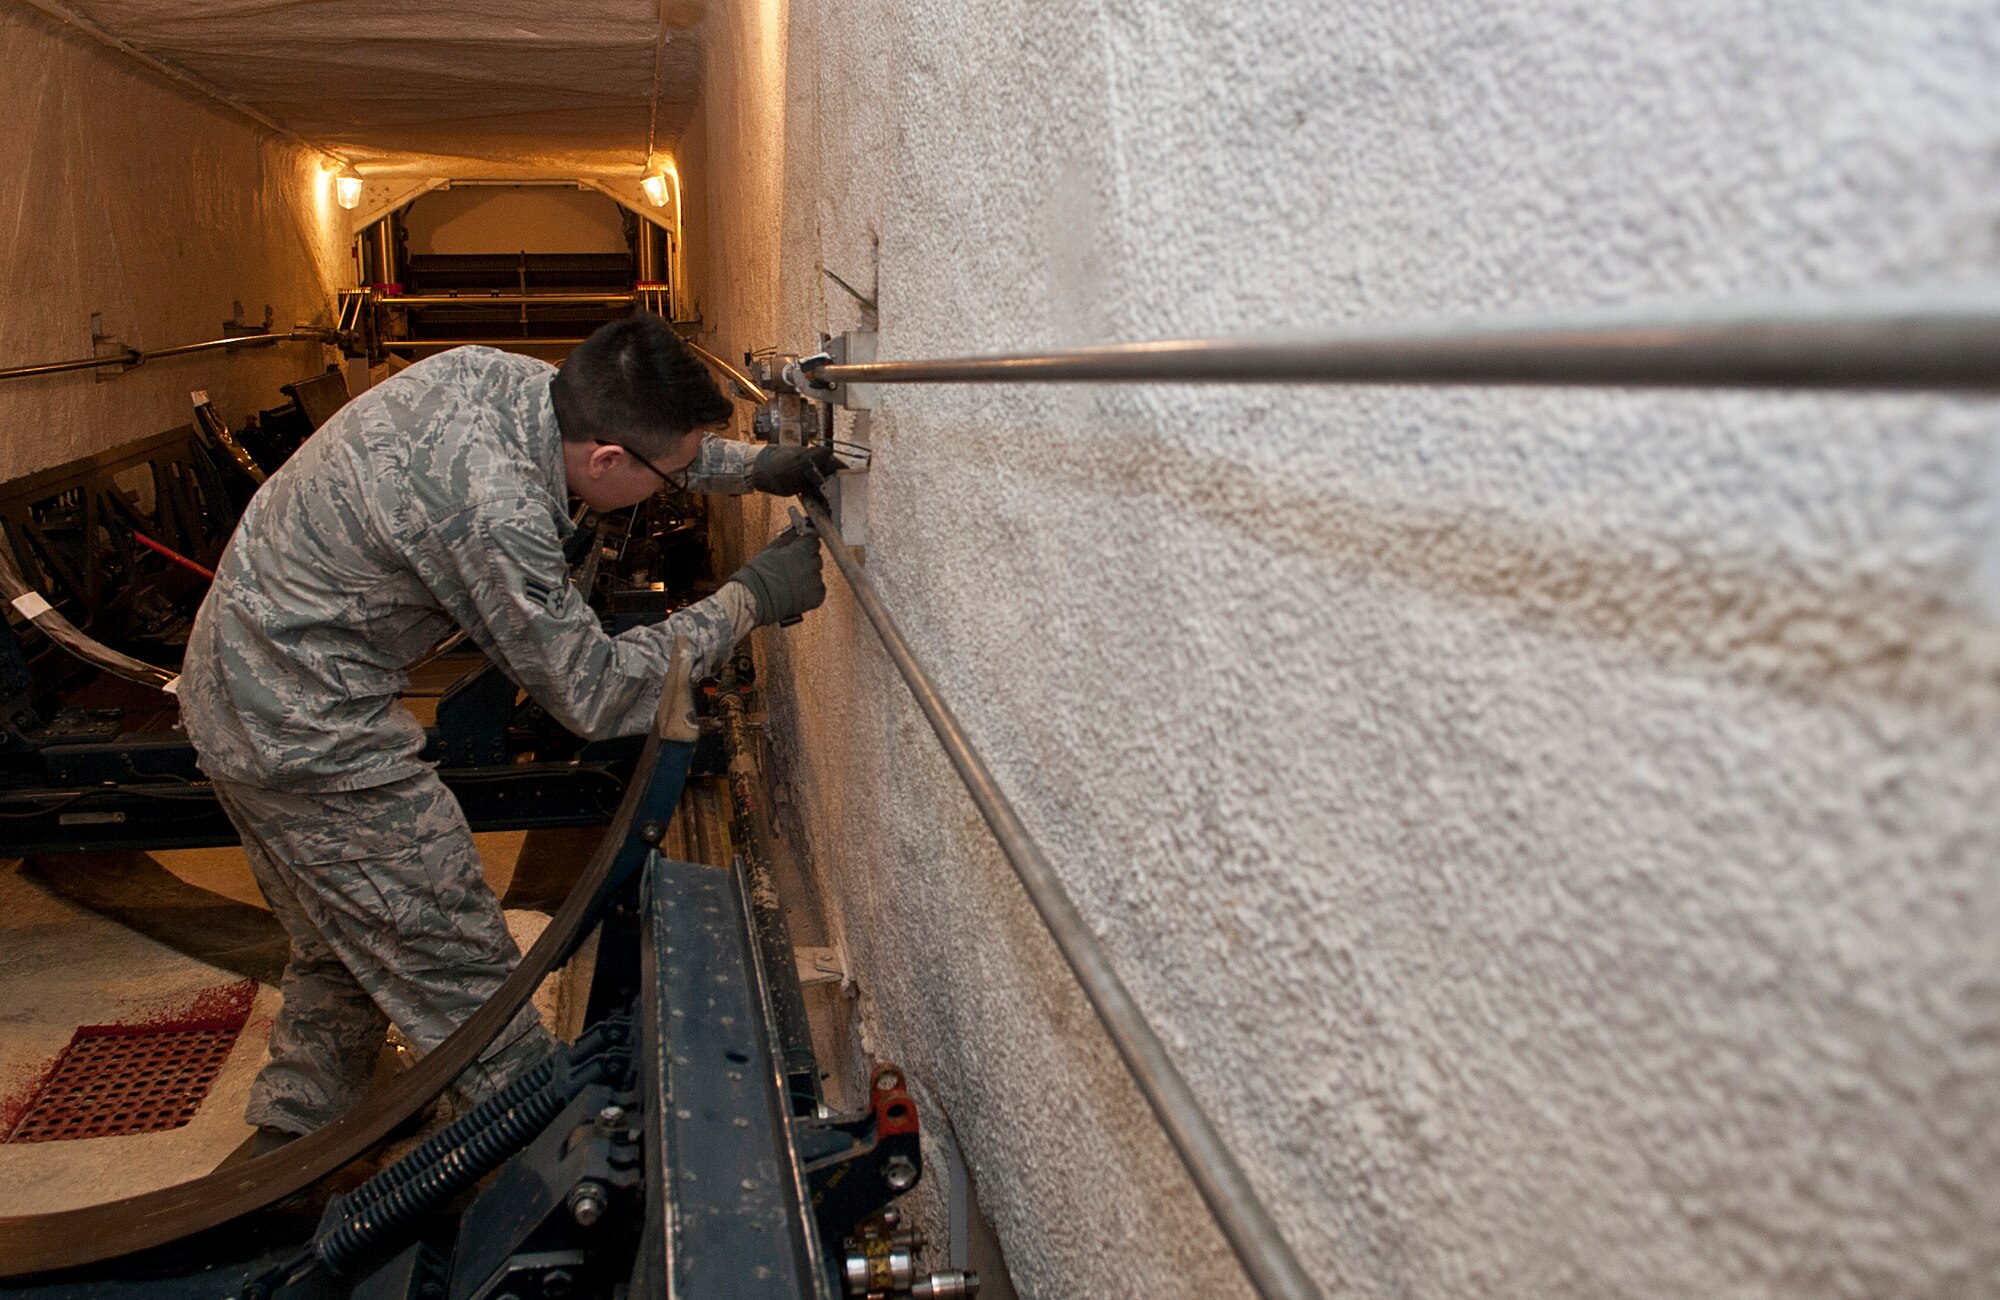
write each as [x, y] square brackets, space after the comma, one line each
[390, 919]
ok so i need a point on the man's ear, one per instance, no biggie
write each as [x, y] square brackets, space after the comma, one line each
[605, 458]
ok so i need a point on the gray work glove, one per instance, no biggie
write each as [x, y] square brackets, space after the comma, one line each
[783, 578]
[780, 469]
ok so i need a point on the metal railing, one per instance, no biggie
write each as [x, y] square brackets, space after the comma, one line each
[482, 298]
[129, 358]
[501, 341]
[1928, 344]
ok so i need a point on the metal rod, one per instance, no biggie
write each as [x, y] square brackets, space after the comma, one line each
[1272, 1267]
[60, 367]
[750, 388]
[1931, 343]
[509, 341]
[170, 554]
[132, 357]
[503, 299]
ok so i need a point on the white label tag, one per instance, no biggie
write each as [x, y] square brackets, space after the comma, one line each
[32, 605]
[173, 687]
[199, 396]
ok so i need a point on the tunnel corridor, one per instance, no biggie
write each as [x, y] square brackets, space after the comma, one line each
[1406, 694]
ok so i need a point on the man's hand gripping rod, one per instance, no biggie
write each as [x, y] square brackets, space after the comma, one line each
[799, 527]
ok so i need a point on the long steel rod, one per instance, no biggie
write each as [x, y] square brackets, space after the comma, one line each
[1272, 1267]
[1932, 343]
[503, 341]
[504, 299]
[134, 357]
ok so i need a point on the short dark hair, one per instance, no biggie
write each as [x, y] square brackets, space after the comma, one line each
[633, 382]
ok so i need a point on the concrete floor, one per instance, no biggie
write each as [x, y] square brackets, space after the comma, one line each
[63, 965]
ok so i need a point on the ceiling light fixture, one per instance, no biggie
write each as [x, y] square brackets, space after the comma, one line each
[655, 185]
[347, 187]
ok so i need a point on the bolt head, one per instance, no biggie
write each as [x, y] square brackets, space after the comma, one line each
[900, 1172]
[651, 832]
[888, 1081]
[587, 1203]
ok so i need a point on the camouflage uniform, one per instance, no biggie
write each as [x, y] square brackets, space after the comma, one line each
[436, 499]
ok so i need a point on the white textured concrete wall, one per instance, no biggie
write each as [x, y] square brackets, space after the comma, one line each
[159, 210]
[1555, 832]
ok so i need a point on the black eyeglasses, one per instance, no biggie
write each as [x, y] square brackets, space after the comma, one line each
[671, 480]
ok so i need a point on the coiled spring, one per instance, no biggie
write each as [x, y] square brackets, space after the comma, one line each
[456, 1156]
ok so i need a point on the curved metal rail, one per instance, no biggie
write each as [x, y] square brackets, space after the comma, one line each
[1273, 1269]
[750, 389]
[70, 637]
[71, 1238]
[131, 357]
[1930, 343]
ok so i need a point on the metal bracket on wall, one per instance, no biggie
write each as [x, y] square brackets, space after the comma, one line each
[850, 495]
[820, 966]
[855, 348]
[103, 345]
[801, 408]
[238, 328]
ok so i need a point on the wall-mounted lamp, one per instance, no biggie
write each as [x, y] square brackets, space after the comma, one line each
[347, 188]
[655, 185]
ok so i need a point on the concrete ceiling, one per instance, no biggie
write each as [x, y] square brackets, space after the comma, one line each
[489, 87]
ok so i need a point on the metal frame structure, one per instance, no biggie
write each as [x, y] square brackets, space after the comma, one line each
[667, 1153]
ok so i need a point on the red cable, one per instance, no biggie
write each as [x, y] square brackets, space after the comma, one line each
[173, 555]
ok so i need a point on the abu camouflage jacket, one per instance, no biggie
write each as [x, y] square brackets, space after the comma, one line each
[436, 499]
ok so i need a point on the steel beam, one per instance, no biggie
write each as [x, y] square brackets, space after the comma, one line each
[725, 1195]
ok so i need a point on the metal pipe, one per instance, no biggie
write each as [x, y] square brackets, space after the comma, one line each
[1272, 1267]
[378, 252]
[133, 357]
[508, 341]
[1929, 343]
[503, 299]
[649, 247]
[750, 388]
[130, 358]
[210, 345]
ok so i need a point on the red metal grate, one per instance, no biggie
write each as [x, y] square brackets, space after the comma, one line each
[113, 1080]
